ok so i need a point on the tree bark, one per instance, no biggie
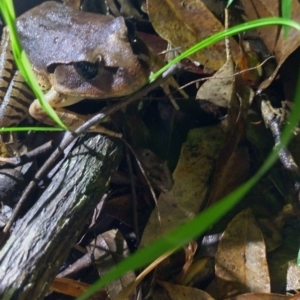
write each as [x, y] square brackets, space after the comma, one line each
[43, 238]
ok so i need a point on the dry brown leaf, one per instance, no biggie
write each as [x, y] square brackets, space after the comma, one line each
[181, 292]
[109, 249]
[263, 296]
[183, 24]
[195, 165]
[271, 234]
[73, 288]
[230, 172]
[293, 276]
[233, 162]
[219, 88]
[273, 36]
[250, 62]
[241, 264]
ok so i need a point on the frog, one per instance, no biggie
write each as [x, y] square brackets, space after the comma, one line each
[74, 55]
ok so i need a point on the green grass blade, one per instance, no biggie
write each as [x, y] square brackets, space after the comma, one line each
[229, 2]
[7, 10]
[286, 11]
[192, 229]
[28, 128]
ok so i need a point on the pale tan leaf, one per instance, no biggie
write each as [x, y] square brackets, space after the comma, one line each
[187, 23]
[241, 264]
[69, 287]
[293, 276]
[219, 89]
[181, 292]
[263, 296]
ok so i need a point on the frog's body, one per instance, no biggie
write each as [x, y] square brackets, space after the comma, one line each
[74, 55]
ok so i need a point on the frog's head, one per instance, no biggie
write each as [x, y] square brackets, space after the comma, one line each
[84, 54]
[115, 68]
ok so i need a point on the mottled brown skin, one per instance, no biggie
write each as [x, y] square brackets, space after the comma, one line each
[55, 36]
[58, 39]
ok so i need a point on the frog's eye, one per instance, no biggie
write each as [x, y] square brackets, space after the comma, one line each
[86, 69]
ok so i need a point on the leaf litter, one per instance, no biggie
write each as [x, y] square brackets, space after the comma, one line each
[213, 160]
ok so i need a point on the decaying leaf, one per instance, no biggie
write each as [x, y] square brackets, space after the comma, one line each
[187, 23]
[271, 234]
[263, 296]
[233, 161]
[273, 36]
[293, 276]
[241, 264]
[196, 163]
[181, 292]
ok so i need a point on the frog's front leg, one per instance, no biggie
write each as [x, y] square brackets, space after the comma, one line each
[71, 119]
[14, 104]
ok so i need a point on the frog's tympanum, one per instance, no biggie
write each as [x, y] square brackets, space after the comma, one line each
[74, 55]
